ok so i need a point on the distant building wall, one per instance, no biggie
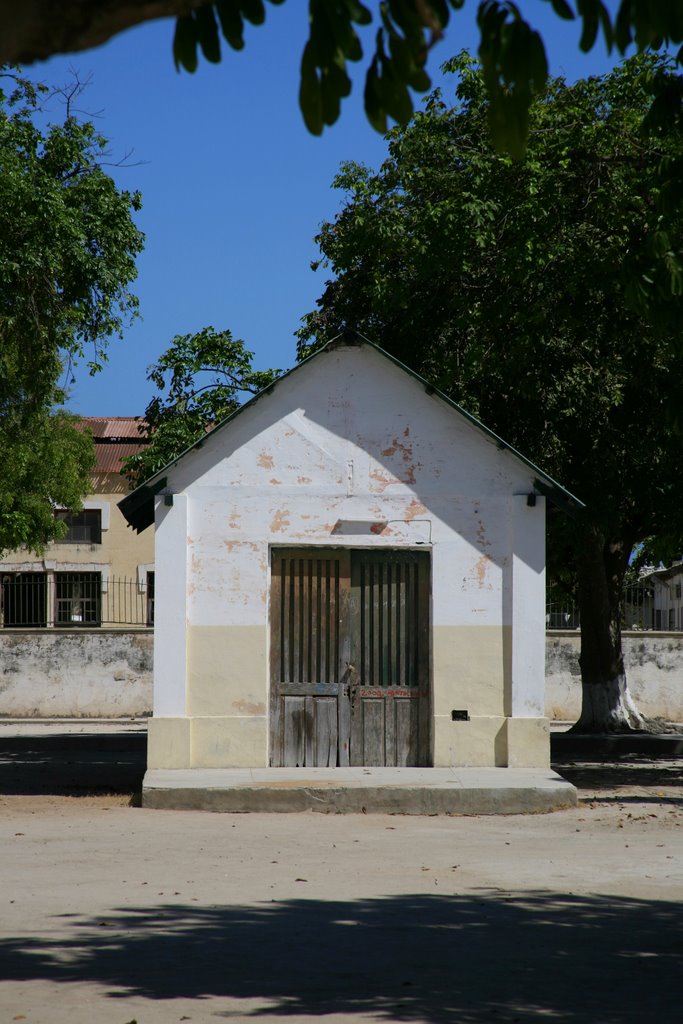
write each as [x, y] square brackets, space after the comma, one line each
[654, 669]
[75, 673]
[108, 673]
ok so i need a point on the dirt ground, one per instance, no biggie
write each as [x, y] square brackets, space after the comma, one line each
[113, 914]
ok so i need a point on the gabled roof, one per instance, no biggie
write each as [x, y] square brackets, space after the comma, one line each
[138, 506]
[665, 573]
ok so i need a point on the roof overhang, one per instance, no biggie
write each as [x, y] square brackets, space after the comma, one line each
[138, 506]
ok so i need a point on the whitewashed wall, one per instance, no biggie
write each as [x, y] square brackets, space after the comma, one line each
[349, 450]
[654, 669]
[75, 673]
[109, 675]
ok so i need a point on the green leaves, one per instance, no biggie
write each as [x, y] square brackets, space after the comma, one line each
[185, 43]
[595, 16]
[515, 71]
[546, 294]
[52, 467]
[67, 259]
[201, 378]
[200, 28]
[511, 51]
[408, 30]
[332, 42]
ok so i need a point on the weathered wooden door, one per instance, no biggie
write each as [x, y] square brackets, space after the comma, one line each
[309, 654]
[349, 658]
[389, 643]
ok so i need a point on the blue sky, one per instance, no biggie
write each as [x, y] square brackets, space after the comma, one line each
[234, 188]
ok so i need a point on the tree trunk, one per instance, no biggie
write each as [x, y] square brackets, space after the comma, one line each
[607, 705]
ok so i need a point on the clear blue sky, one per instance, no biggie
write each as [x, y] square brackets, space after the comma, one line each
[234, 188]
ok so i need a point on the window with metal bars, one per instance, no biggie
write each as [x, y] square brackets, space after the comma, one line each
[78, 600]
[150, 598]
[24, 600]
[84, 527]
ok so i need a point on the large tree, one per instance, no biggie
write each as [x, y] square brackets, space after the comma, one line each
[515, 287]
[511, 51]
[200, 379]
[67, 258]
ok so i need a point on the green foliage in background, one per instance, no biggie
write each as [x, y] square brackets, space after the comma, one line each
[67, 258]
[200, 379]
[545, 296]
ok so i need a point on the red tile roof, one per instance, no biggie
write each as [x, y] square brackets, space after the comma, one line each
[115, 438]
[109, 456]
[114, 427]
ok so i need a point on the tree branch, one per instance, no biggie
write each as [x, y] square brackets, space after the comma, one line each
[36, 29]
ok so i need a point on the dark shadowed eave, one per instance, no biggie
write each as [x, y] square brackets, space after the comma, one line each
[138, 506]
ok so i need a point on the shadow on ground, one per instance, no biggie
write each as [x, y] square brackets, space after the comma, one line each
[492, 956]
[115, 763]
[637, 778]
[72, 763]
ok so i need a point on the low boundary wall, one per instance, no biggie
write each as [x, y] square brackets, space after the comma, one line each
[68, 673]
[654, 669]
[107, 673]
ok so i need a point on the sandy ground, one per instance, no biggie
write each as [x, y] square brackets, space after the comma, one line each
[113, 914]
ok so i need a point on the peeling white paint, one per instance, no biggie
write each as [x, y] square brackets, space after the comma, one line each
[351, 451]
[75, 673]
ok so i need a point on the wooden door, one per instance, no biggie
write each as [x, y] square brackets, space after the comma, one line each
[389, 643]
[309, 699]
[349, 658]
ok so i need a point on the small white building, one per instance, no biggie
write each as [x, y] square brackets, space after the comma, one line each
[350, 570]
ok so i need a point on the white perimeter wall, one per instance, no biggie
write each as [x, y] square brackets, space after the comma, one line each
[75, 673]
[109, 675]
[654, 669]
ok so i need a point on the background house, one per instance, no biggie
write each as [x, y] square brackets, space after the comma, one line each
[667, 599]
[101, 573]
[350, 570]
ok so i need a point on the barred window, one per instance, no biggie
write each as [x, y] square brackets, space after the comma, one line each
[84, 527]
[78, 599]
[24, 600]
[150, 598]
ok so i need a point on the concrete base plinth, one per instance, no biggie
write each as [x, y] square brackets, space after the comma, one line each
[359, 790]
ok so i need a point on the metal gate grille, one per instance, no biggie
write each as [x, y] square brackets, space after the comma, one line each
[309, 601]
[309, 620]
[389, 622]
[78, 598]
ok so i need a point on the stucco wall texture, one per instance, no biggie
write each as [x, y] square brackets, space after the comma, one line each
[75, 673]
[105, 674]
[348, 451]
[654, 669]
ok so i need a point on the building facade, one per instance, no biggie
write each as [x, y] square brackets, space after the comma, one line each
[351, 570]
[101, 573]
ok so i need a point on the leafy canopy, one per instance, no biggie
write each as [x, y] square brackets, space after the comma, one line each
[67, 258]
[403, 32]
[201, 379]
[511, 52]
[518, 287]
[545, 297]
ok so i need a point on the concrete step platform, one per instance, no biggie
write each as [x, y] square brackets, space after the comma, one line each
[360, 790]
